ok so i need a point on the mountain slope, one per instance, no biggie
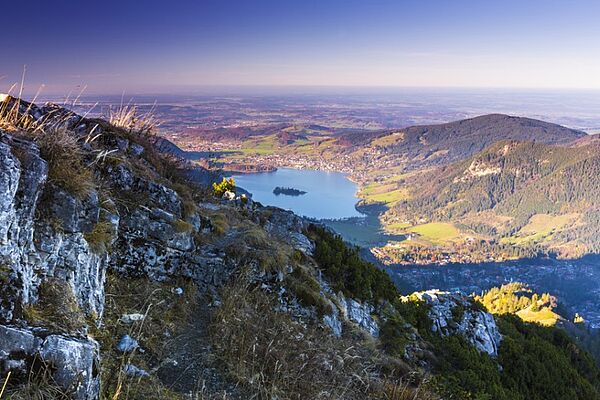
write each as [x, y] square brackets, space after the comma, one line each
[420, 146]
[122, 279]
[523, 193]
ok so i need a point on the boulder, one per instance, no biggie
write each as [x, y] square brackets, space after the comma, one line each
[74, 361]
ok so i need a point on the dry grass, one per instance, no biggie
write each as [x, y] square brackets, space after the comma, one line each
[66, 164]
[58, 145]
[254, 244]
[100, 237]
[39, 384]
[165, 313]
[129, 118]
[56, 309]
[273, 356]
[182, 226]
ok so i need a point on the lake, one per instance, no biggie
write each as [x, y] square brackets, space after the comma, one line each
[329, 195]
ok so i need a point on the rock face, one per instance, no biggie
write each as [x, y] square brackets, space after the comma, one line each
[289, 227]
[42, 240]
[453, 313]
[349, 310]
[48, 235]
[361, 314]
[75, 360]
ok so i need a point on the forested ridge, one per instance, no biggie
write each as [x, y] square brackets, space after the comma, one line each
[515, 181]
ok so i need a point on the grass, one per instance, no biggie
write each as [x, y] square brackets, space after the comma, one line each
[100, 237]
[387, 140]
[541, 227]
[39, 384]
[436, 232]
[57, 308]
[545, 316]
[182, 226]
[308, 291]
[263, 146]
[272, 356]
[66, 164]
[366, 231]
[389, 198]
[165, 315]
[252, 243]
[129, 118]
[398, 226]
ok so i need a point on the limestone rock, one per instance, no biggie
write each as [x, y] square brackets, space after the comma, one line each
[453, 313]
[74, 361]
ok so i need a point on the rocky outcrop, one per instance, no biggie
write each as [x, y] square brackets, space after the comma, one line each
[288, 227]
[51, 236]
[74, 360]
[346, 310]
[40, 241]
[455, 314]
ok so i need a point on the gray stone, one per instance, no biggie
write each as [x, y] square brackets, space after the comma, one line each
[136, 149]
[132, 370]
[361, 314]
[127, 344]
[131, 318]
[229, 196]
[75, 362]
[478, 327]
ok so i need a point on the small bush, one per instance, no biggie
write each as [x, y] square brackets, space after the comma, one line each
[182, 226]
[226, 185]
[100, 237]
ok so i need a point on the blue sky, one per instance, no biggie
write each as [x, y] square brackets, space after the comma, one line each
[166, 46]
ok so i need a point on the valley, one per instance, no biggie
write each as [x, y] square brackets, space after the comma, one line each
[486, 194]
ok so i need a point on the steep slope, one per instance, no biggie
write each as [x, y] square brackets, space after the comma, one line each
[522, 193]
[121, 279]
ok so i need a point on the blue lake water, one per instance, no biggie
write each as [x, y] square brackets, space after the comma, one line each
[328, 195]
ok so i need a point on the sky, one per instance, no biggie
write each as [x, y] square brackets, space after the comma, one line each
[175, 46]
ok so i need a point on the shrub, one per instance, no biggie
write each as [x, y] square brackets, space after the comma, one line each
[226, 185]
[100, 237]
[182, 226]
[347, 271]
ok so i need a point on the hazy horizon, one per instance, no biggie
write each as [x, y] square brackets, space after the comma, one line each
[117, 46]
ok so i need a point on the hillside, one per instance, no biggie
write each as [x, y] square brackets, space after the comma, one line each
[524, 194]
[427, 145]
[123, 279]
[366, 154]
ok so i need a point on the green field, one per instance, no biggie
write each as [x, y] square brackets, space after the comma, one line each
[264, 146]
[436, 232]
[387, 197]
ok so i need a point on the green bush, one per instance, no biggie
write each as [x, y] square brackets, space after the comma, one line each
[226, 185]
